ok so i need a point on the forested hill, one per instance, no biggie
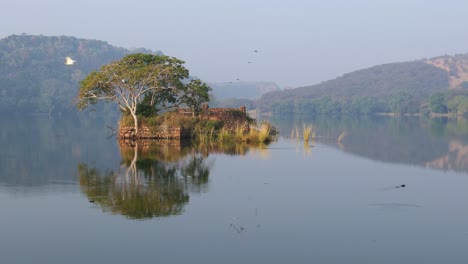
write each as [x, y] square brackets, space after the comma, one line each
[34, 77]
[395, 87]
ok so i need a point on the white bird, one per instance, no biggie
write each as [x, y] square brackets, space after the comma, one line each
[69, 61]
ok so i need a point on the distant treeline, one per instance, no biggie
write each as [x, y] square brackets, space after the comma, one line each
[404, 87]
[398, 103]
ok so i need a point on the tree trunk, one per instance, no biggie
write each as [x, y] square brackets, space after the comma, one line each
[135, 120]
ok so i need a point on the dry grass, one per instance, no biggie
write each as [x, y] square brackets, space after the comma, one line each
[203, 135]
[342, 136]
[206, 131]
[307, 132]
[239, 132]
[264, 132]
[224, 135]
[297, 132]
[259, 134]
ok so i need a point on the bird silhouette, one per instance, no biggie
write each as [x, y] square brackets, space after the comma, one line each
[255, 51]
[69, 61]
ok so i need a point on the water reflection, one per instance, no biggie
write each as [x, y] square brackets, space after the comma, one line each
[38, 152]
[154, 179]
[438, 143]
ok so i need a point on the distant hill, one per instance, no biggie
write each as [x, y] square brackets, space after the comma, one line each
[235, 94]
[34, 78]
[456, 67]
[242, 90]
[402, 87]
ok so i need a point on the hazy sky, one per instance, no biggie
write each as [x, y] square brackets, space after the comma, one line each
[299, 42]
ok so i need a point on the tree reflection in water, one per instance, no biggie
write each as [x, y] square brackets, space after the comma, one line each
[154, 179]
[151, 181]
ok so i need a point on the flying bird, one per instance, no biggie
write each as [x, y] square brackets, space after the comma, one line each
[255, 51]
[69, 61]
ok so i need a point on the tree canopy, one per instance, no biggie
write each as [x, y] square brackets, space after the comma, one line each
[161, 81]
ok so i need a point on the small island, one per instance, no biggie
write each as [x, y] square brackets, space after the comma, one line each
[160, 100]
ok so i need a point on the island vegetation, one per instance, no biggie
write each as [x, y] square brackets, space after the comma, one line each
[147, 87]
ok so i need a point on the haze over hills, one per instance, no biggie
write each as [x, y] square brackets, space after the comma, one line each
[239, 93]
[34, 78]
[413, 81]
[242, 89]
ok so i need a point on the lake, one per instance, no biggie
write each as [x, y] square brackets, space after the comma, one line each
[70, 192]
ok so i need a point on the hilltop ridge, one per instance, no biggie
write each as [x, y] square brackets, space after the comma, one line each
[456, 66]
[376, 89]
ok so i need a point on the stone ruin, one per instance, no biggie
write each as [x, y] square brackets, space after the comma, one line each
[231, 118]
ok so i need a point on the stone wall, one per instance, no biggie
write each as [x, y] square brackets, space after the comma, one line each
[231, 118]
[161, 132]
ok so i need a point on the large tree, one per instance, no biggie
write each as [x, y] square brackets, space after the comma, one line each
[162, 80]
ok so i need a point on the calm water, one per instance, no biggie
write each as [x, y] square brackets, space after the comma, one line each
[69, 193]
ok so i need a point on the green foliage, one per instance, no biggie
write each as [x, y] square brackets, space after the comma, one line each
[145, 109]
[143, 85]
[327, 106]
[458, 104]
[402, 102]
[363, 105]
[195, 94]
[438, 103]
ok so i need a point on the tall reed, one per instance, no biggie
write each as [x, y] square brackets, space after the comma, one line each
[203, 135]
[259, 134]
[224, 135]
[239, 132]
[264, 132]
[341, 136]
[306, 132]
